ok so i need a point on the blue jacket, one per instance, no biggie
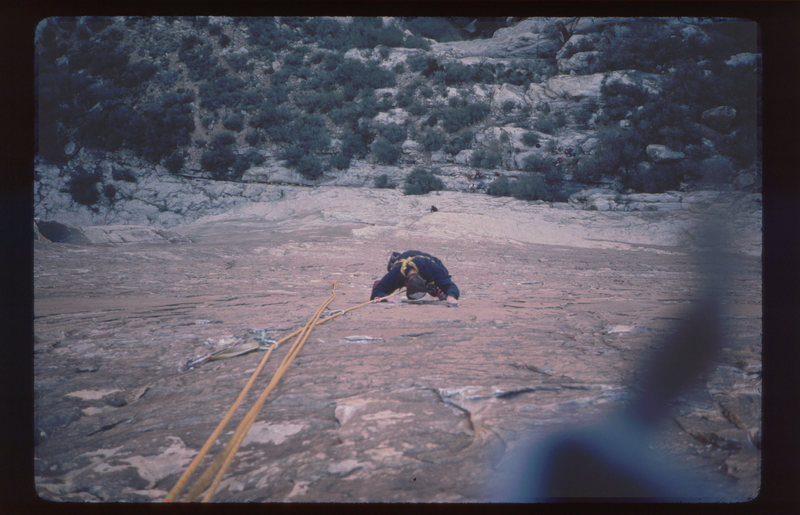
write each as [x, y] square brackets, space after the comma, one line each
[429, 268]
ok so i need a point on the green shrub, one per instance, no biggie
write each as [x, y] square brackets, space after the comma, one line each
[538, 163]
[322, 101]
[500, 187]
[163, 125]
[83, 187]
[174, 161]
[439, 29]
[352, 71]
[239, 62]
[254, 157]
[123, 174]
[432, 141]
[340, 161]
[264, 32]
[394, 133]
[233, 122]
[356, 142]
[550, 122]
[197, 55]
[485, 158]
[421, 181]
[269, 116]
[422, 63]
[385, 152]
[254, 137]
[658, 178]
[529, 187]
[382, 181]
[455, 118]
[416, 109]
[109, 191]
[309, 166]
[218, 161]
[414, 41]
[530, 139]
[225, 91]
[461, 142]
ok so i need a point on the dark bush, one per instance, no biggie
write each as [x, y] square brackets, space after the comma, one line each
[461, 142]
[422, 63]
[394, 133]
[83, 187]
[529, 187]
[136, 75]
[500, 187]
[109, 191]
[485, 158]
[620, 99]
[225, 91]
[658, 178]
[432, 141]
[421, 181]
[174, 161]
[322, 101]
[439, 29]
[233, 122]
[309, 166]
[352, 71]
[123, 174]
[264, 32]
[530, 139]
[218, 161]
[269, 116]
[416, 109]
[356, 142]
[223, 139]
[550, 122]
[414, 41]
[254, 137]
[197, 55]
[385, 152]
[164, 125]
[254, 157]
[538, 163]
[382, 181]
[340, 161]
[239, 62]
[309, 133]
[455, 118]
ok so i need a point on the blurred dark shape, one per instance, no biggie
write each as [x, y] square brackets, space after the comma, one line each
[612, 460]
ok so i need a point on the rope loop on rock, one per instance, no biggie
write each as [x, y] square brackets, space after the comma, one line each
[215, 472]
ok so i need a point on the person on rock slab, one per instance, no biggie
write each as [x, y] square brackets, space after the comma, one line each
[420, 273]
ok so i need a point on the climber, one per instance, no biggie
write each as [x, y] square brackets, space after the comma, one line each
[420, 273]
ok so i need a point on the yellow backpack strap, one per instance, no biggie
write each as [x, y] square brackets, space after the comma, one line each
[409, 261]
[405, 263]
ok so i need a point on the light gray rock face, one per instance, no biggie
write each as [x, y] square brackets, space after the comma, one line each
[663, 154]
[523, 39]
[392, 402]
[719, 118]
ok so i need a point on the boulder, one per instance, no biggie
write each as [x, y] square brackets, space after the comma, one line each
[719, 118]
[744, 59]
[60, 233]
[663, 154]
[508, 93]
[580, 63]
[573, 86]
[106, 234]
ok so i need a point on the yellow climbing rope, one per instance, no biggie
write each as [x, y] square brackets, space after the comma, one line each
[215, 472]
